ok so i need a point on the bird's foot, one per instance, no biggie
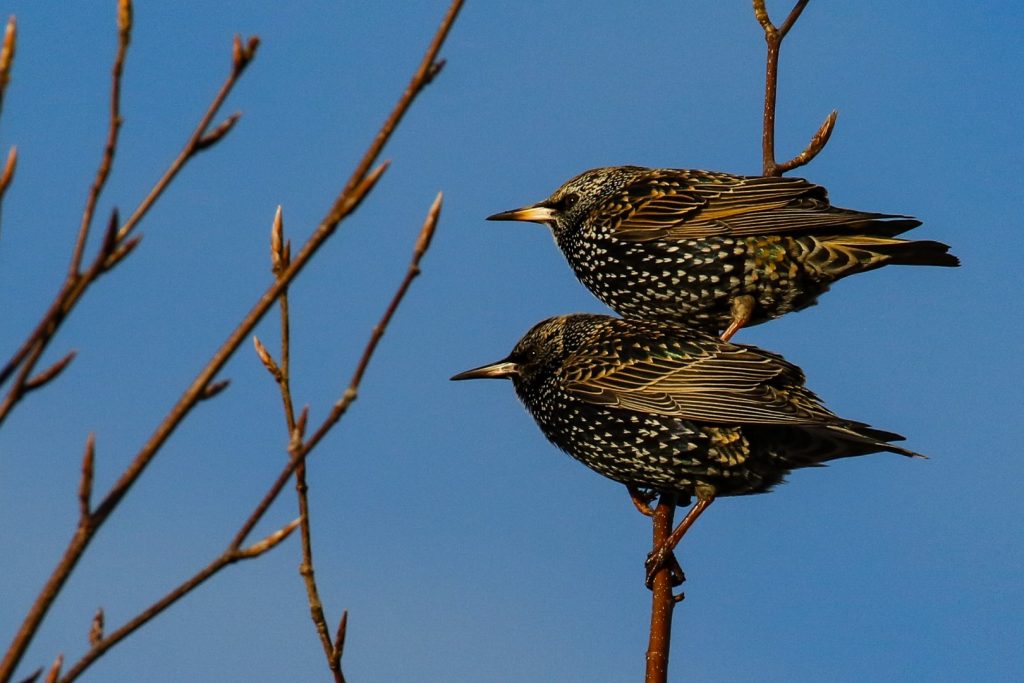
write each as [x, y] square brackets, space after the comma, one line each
[664, 558]
[641, 499]
[741, 308]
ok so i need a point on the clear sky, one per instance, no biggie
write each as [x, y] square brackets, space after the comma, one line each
[465, 547]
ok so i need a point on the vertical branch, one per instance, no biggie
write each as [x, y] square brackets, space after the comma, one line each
[124, 35]
[662, 600]
[774, 36]
[280, 256]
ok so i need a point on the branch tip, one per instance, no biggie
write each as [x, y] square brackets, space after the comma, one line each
[54, 673]
[7, 51]
[96, 628]
[124, 18]
[278, 261]
[429, 226]
[339, 637]
[215, 135]
[300, 424]
[433, 70]
[266, 359]
[213, 389]
[262, 546]
[241, 54]
[51, 372]
[85, 485]
[7, 175]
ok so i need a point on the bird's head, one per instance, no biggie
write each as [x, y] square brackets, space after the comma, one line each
[569, 205]
[538, 354]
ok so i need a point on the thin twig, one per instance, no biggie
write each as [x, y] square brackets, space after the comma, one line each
[230, 556]
[76, 284]
[124, 34]
[773, 37]
[7, 51]
[348, 200]
[662, 600]
[25, 359]
[281, 372]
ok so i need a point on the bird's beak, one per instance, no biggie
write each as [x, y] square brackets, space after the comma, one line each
[534, 214]
[499, 370]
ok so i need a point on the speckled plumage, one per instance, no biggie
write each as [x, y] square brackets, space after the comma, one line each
[657, 405]
[682, 245]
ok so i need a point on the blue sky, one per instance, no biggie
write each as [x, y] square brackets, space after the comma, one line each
[464, 546]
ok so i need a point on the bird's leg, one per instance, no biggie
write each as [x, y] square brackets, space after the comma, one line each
[658, 558]
[741, 308]
[641, 499]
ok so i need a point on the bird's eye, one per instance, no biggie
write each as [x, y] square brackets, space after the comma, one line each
[569, 200]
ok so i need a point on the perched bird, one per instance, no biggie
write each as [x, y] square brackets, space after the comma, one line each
[715, 250]
[659, 406]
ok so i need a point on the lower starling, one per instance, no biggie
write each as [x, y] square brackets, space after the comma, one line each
[715, 250]
[656, 405]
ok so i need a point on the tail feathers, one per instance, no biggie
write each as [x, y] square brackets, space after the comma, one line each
[842, 255]
[809, 445]
[902, 252]
[880, 224]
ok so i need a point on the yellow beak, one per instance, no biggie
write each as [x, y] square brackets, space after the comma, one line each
[500, 370]
[534, 214]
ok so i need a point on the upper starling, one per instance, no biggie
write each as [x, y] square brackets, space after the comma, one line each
[713, 249]
[656, 405]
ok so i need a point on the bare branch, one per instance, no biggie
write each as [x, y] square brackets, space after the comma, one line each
[271, 541]
[50, 373]
[7, 175]
[54, 672]
[662, 602]
[214, 388]
[7, 55]
[231, 555]
[265, 358]
[816, 144]
[278, 257]
[773, 37]
[214, 136]
[85, 484]
[347, 201]
[96, 627]
[124, 24]
[339, 637]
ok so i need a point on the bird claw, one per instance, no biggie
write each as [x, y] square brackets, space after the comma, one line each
[660, 559]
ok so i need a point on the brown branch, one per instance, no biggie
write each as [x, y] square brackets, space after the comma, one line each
[662, 601]
[25, 359]
[233, 554]
[77, 283]
[348, 200]
[7, 55]
[281, 372]
[85, 485]
[773, 37]
[124, 25]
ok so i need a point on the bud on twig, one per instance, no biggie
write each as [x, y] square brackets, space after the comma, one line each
[260, 547]
[54, 672]
[7, 52]
[265, 358]
[214, 136]
[124, 18]
[85, 485]
[50, 372]
[96, 628]
[7, 175]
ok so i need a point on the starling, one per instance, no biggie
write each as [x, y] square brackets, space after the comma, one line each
[715, 250]
[671, 409]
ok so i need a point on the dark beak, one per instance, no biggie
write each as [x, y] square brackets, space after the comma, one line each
[500, 370]
[533, 214]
